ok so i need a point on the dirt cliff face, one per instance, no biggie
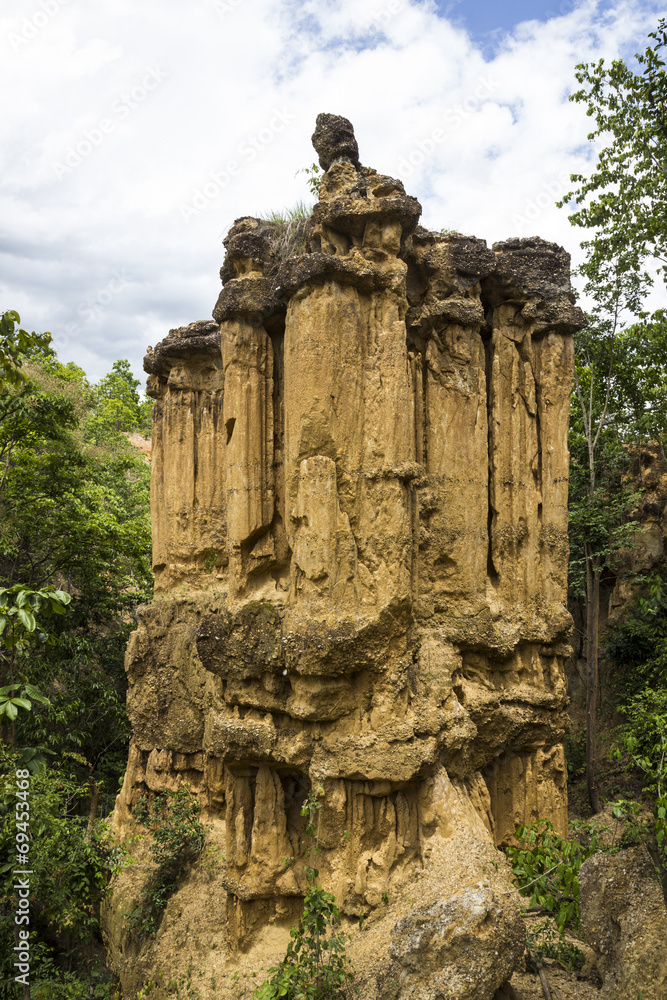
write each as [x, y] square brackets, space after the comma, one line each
[359, 523]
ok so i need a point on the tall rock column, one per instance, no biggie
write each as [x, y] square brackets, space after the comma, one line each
[359, 506]
[188, 505]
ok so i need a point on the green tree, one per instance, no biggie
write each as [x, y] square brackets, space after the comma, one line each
[20, 631]
[15, 345]
[619, 404]
[598, 506]
[624, 200]
[117, 406]
[637, 644]
[75, 515]
[74, 519]
[69, 871]
[639, 405]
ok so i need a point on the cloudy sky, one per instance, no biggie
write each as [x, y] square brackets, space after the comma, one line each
[135, 133]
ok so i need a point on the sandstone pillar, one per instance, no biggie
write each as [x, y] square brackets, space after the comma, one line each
[359, 505]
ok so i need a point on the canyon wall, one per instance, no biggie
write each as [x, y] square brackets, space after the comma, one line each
[359, 503]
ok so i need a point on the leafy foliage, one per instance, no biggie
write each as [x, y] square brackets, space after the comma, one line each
[546, 867]
[574, 745]
[87, 534]
[619, 403]
[637, 645]
[314, 178]
[619, 374]
[178, 839]
[15, 345]
[117, 407]
[644, 737]
[624, 199]
[627, 371]
[316, 966]
[74, 524]
[69, 873]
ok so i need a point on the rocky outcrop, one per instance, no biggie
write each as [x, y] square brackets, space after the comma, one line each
[646, 554]
[624, 917]
[434, 945]
[360, 543]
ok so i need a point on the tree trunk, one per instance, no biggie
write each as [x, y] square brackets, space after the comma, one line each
[592, 623]
[92, 815]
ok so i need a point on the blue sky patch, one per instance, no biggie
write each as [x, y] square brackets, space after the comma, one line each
[487, 20]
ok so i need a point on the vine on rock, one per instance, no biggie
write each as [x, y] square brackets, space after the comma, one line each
[178, 838]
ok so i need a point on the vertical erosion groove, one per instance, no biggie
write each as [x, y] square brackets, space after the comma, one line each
[539, 472]
[491, 570]
[425, 409]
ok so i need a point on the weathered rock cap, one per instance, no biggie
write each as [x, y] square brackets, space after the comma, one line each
[538, 271]
[525, 265]
[333, 138]
[201, 337]
[248, 244]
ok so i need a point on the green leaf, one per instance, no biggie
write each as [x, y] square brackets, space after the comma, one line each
[28, 619]
[36, 695]
[10, 710]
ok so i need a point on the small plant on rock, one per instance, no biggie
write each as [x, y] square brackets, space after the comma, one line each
[314, 178]
[544, 941]
[316, 966]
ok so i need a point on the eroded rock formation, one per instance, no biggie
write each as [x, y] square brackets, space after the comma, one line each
[360, 546]
[623, 915]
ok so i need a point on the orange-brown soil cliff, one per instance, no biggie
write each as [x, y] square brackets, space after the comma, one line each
[360, 545]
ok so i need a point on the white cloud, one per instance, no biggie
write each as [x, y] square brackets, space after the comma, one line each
[145, 105]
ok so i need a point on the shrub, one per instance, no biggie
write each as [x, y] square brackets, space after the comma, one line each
[546, 868]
